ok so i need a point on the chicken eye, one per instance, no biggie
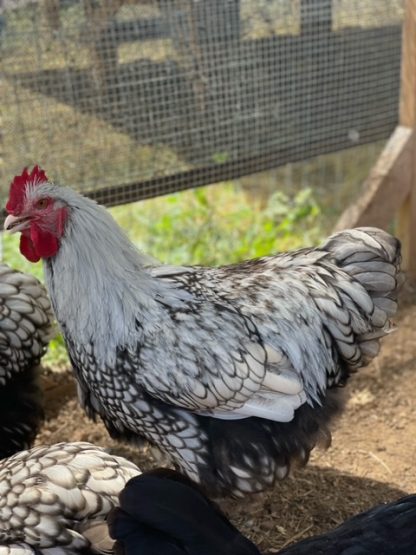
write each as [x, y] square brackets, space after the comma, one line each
[42, 203]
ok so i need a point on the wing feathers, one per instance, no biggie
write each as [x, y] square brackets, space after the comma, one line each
[262, 337]
[284, 382]
[278, 407]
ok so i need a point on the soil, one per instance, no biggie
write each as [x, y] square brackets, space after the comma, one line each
[371, 460]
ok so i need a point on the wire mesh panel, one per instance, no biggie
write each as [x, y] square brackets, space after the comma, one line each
[127, 99]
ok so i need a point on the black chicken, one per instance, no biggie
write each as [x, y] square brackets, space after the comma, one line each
[163, 513]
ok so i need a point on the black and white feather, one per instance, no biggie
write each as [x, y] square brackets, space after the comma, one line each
[55, 500]
[234, 372]
[26, 327]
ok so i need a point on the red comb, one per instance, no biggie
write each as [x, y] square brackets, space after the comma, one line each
[18, 188]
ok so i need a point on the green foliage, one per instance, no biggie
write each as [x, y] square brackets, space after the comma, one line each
[220, 225]
[12, 257]
[213, 225]
[56, 357]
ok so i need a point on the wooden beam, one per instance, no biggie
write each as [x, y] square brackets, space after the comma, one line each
[387, 186]
[390, 189]
[405, 231]
[408, 69]
[407, 214]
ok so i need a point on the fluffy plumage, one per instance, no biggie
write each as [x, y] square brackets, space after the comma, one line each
[235, 371]
[26, 326]
[164, 513]
[55, 500]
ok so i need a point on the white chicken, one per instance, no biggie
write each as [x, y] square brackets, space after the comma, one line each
[234, 372]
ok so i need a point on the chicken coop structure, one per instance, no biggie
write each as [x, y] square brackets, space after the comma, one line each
[129, 99]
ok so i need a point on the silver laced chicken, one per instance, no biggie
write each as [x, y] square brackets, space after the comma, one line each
[55, 500]
[26, 327]
[234, 372]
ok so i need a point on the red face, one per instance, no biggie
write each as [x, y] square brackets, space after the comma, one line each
[39, 218]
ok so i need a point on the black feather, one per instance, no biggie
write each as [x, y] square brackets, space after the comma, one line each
[164, 513]
[383, 530]
[21, 411]
[167, 514]
[248, 443]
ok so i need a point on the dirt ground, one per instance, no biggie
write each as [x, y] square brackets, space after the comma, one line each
[371, 460]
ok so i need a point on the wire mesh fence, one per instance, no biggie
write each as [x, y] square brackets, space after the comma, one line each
[128, 99]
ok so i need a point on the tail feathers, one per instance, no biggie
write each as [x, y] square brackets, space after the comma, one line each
[362, 244]
[166, 513]
[386, 529]
[371, 257]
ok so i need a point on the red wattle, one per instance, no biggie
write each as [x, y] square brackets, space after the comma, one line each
[38, 244]
[45, 243]
[27, 248]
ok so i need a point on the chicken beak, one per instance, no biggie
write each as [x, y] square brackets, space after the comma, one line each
[12, 224]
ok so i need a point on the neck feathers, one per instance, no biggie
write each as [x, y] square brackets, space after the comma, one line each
[98, 281]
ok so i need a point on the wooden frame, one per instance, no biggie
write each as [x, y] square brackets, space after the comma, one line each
[389, 192]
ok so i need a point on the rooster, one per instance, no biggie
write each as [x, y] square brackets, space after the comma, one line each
[234, 372]
[160, 512]
[26, 326]
[56, 499]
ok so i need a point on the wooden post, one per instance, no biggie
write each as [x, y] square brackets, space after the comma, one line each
[386, 187]
[407, 214]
